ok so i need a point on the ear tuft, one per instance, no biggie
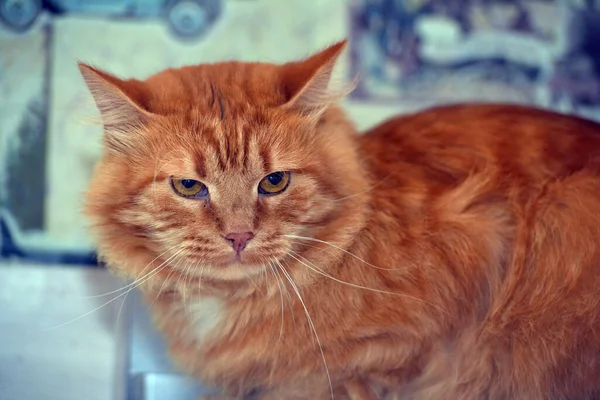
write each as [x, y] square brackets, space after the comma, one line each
[122, 105]
[306, 84]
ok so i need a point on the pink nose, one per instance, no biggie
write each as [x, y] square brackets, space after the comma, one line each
[239, 240]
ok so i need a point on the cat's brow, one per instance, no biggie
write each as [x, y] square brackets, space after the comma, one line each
[221, 107]
[200, 166]
[215, 94]
[212, 95]
[198, 162]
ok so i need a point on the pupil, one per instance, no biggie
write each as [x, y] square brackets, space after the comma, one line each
[275, 179]
[188, 183]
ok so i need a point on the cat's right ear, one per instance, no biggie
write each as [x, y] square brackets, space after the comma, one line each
[305, 84]
[122, 105]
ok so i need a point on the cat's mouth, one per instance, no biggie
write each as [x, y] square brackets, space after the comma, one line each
[231, 267]
[235, 259]
[231, 264]
[241, 259]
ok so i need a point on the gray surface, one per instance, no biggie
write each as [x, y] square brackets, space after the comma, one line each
[151, 374]
[163, 387]
[42, 356]
[50, 351]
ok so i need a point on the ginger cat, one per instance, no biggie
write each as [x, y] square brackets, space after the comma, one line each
[449, 254]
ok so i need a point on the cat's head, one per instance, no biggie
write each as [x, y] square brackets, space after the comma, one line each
[218, 169]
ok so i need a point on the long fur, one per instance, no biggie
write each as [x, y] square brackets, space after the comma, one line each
[449, 254]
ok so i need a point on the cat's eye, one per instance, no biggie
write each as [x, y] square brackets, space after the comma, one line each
[189, 188]
[274, 183]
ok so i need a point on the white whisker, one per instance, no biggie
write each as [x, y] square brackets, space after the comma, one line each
[173, 270]
[200, 277]
[312, 246]
[282, 303]
[126, 294]
[265, 274]
[186, 275]
[362, 192]
[282, 282]
[132, 283]
[319, 271]
[289, 278]
[146, 278]
[286, 292]
[253, 281]
[272, 268]
[339, 248]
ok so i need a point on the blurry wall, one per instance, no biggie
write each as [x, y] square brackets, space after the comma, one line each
[410, 54]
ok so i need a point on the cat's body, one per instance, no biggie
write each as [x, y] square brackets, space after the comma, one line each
[450, 254]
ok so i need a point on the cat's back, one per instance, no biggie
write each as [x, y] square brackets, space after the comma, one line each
[445, 144]
[503, 202]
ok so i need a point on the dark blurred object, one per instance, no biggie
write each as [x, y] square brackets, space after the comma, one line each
[576, 75]
[10, 248]
[19, 15]
[191, 18]
[186, 18]
[538, 52]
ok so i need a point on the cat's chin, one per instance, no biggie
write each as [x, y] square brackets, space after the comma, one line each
[234, 267]
[234, 272]
[237, 260]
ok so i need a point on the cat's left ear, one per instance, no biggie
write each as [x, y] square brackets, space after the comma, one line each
[122, 105]
[306, 83]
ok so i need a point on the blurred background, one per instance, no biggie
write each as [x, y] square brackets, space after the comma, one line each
[410, 54]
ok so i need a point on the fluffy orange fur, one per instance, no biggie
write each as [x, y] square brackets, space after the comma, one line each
[449, 254]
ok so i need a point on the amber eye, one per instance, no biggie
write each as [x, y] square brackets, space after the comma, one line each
[274, 183]
[189, 188]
